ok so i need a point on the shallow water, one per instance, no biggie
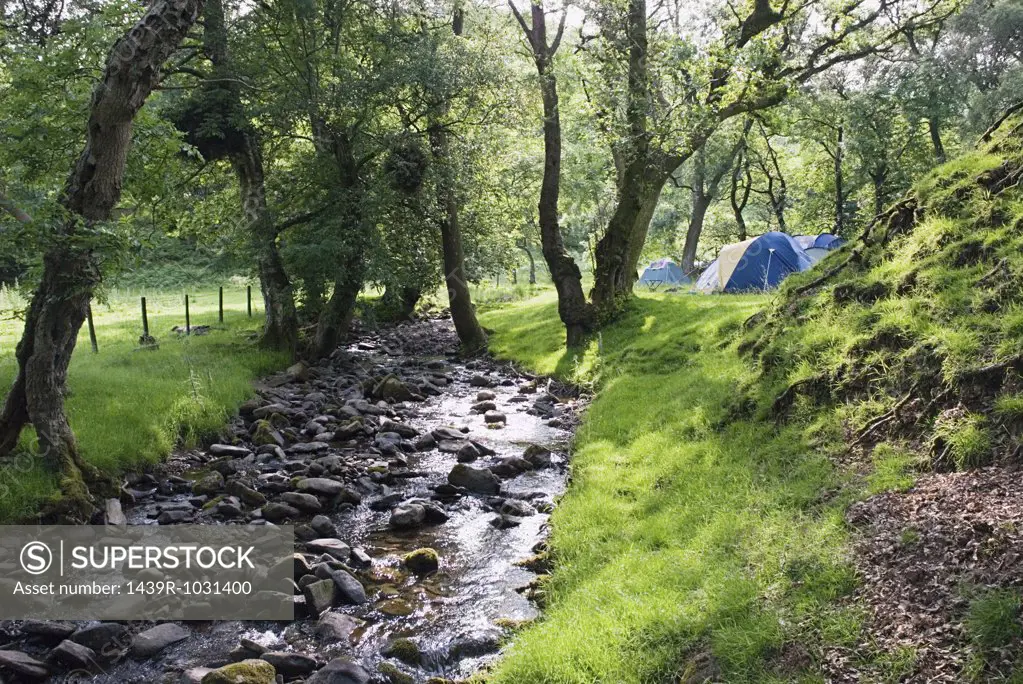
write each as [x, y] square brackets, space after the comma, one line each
[451, 614]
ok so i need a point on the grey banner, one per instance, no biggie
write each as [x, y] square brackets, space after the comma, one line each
[179, 572]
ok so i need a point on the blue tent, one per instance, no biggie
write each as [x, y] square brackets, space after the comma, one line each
[818, 246]
[760, 263]
[663, 272]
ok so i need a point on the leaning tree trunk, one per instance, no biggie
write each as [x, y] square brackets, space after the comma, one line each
[71, 266]
[280, 331]
[532, 262]
[618, 251]
[338, 312]
[463, 314]
[701, 202]
[575, 312]
[934, 129]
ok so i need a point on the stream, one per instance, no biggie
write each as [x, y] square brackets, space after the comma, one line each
[389, 418]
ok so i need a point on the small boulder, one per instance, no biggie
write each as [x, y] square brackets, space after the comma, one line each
[290, 664]
[422, 561]
[245, 672]
[319, 596]
[209, 484]
[155, 639]
[479, 480]
[408, 516]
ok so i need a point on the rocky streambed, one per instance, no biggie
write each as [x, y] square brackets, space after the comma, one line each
[420, 487]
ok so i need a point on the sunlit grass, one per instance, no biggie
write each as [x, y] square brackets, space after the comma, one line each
[682, 533]
[128, 406]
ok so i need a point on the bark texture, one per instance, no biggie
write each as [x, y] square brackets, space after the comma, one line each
[71, 266]
[575, 312]
[243, 148]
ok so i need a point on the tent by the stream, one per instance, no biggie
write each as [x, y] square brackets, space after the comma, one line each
[757, 264]
[663, 273]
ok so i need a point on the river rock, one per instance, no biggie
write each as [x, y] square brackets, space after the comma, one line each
[480, 381]
[333, 547]
[229, 450]
[320, 486]
[245, 672]
[308, 447]
[467, 453]
[114, 514]
[422, 561]
[392, 389]
[406, 431]
[322, 525]
[104, 638]
[290, 664]
[408, 516]
[349, 589]
[485, 395]
[335, 627]
[209, 484]
[479, 480]
[23, 664]
[517, 508]
[442, 434]
[150, 642]
[337, 671]
[52, 630]
[319, 595]
[247, 494]
[172, 517]
[73, 656]
[494, 418]
[302, 501]
[484, 406]
[277, 512]
[537, 455]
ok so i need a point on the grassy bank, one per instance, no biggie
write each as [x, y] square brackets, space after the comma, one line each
[686, 543]
[128, 408]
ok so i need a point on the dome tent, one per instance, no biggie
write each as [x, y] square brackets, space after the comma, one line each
[818, 246]
[760, 263]
[663, 272]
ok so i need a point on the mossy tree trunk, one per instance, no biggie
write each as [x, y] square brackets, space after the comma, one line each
[71, 264]
[244, 151]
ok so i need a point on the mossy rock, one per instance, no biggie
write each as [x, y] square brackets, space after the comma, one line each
[404, 650]
[265, 434]
[422, 561]
[394, 675]
[245, 672]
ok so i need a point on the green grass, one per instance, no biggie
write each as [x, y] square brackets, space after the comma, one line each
[682, 532]
[129, 408]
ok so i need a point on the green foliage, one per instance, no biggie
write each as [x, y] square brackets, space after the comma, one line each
[968, 438]
[894, 467]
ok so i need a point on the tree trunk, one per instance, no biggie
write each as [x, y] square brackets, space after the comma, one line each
[280, 330]
[339, 311]
[463, 314]
[701, 202]
[532, 262]
[575, 312]
[878, 177]
[71, 266]
[939, 148]
[839, 191]
[402, 299]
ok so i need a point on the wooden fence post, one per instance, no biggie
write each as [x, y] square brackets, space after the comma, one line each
[188, 318]
[248, 299]
[145, 320]
[221, 305]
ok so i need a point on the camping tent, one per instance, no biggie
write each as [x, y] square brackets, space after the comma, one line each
[818, 246]
[663, 272]
[760, 263]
